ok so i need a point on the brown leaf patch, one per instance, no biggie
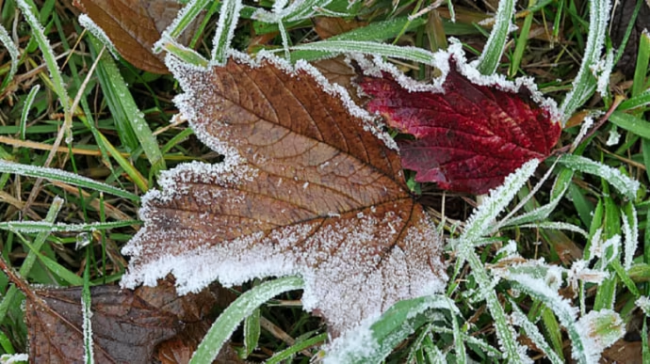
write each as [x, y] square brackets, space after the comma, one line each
[306, 188]
[135, 25]
[126, 325]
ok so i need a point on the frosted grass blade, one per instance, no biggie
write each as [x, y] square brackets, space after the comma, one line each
[11, 48]
[496, 43]
[584, 83]
[44, 226]
[48, 54]
[232, 316]
[630, 233]
[373, 32]
[225, 30]
[372, 48]
[391, 328]
[28, 105]
[28, 263]
[183, 19]
[624, 184]
[98, 32]
[533, 333]
[65, 177]
[134, 130]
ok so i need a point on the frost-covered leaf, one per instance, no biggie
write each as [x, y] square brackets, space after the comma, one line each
[469, 134]
[126, 325]
[134, 26]
[308, 186]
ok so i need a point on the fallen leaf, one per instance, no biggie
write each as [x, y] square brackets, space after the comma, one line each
[308, 186]
[337, 71]
[327, 27]
[468, 137]
[127, 325]
[135, 25]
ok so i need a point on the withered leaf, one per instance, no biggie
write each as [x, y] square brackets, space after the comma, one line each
[127, 325]
[306, 188]
[469, 135]
[135, 25]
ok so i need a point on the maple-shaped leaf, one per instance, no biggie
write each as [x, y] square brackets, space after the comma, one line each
[306, 188]
[126, 325]
[468, 136]
[135, 25]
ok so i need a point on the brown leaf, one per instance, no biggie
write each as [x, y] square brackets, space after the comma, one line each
[135, 25]
[337, 71]
[306, 188]
[327, 27]
[126, 325]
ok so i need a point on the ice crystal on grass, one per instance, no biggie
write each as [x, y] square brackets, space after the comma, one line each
[98, 32]
[306, 187]
[598, 330]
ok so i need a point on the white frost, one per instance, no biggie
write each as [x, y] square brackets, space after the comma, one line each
[13, 358]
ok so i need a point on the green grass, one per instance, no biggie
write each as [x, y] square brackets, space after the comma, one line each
[65, 107]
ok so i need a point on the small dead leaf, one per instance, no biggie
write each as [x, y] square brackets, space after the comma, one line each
[468, 136]
[327, 27]
[135, 25]
[307, 187]
[127, 325]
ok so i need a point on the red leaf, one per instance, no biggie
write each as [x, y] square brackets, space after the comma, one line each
[306, 188]
[467, 138]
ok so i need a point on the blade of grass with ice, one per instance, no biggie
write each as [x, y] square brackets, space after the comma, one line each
[28, 263]
[225, 30]
[371, 48]
[533, 333]
[14, 54]
[183, 19]
[48, 54]
[372, 344]
[44, 226]
[624, 184]
[28, 105]
[133, 128]
[584, 84]
[65, 177]
[496, 43]
[236, 312]
[373, 32]
[478, 226]
[98, 32]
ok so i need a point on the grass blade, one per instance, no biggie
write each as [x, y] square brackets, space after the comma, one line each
[134, 130]
[496, 43]
[225, 30]
[11, 48]
[379, 49]
[48, 53]
[238, 311]
[584, 83]
[65, 177]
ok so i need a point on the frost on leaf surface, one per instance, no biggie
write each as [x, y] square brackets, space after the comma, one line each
[470, 134]
[306, 188]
